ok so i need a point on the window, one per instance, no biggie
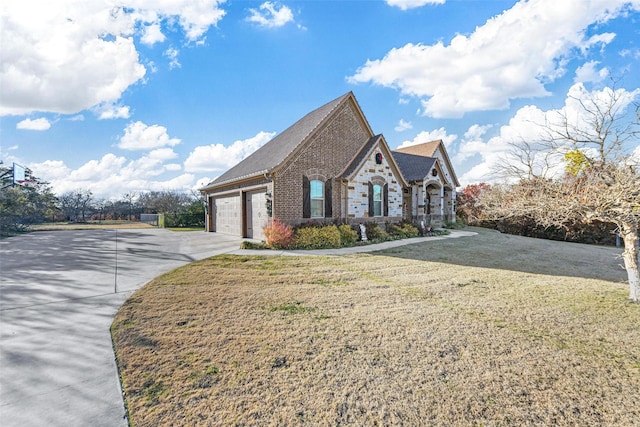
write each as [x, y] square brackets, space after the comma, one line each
[377, 200]
[317, 199]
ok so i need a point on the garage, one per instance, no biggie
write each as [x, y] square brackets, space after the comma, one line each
[227, 214]
[256, 214]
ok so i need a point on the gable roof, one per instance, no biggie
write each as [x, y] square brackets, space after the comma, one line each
[428, 149]
[274, 152]
[365, 152]
[359, 158]
[414, 167]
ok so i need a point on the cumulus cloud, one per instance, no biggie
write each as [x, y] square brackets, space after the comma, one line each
[411, 4]
[70, 56]
[172, 53]
[111, 176]
[217, 157]
[38, 124]
[428, 136]
[587, 73]
[139, 136]
[513, 55]
[152, 34]
[109, 110]
[271, 15]
[403, 125]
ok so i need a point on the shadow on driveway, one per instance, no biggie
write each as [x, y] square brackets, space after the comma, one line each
[59, 292]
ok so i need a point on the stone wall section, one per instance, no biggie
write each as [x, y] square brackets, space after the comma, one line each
[359, 189]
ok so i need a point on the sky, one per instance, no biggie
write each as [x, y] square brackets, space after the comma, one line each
[153, 95]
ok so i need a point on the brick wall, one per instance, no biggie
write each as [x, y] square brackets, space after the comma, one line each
[326, 155]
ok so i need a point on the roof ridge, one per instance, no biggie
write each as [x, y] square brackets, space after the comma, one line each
[277, 149]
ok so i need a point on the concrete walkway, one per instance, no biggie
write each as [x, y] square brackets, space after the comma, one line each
[358, 249]
[59, 292]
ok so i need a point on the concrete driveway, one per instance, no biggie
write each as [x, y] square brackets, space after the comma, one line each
[59, 292]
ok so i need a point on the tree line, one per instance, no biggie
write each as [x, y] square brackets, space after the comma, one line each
[34, 202]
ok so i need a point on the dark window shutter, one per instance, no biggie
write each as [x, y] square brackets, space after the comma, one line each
[385, 199]
[306, 197]
[371, 212]
[328, 206]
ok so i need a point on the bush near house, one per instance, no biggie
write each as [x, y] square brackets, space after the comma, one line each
[279, 235]
[323, 237]
[348, 235]
[318, 235]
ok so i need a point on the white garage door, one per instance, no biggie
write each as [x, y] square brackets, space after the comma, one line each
[228, 215]
[256, 214]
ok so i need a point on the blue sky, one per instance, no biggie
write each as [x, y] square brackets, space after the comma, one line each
[145, 95]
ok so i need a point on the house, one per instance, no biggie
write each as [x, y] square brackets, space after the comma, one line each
[330, 166]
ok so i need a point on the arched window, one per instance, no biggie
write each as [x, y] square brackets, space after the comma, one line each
[317, 199]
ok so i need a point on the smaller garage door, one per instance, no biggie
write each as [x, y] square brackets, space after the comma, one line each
[228, 215]
[256, 214]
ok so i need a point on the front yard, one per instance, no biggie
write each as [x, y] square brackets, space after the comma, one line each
[487, 330]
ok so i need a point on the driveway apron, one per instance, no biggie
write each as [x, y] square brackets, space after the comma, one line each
[59, 292]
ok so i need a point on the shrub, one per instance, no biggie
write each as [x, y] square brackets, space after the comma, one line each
[318, 237]
[246, 244]
[278, 235]
[374, 232]
[459, 223]
[348, 236]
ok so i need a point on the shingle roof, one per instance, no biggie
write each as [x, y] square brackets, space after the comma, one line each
[412, 166]
[274, 152]
[426, 149]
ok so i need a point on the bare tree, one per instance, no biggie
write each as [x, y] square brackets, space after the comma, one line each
[76, 204]
[601, 179]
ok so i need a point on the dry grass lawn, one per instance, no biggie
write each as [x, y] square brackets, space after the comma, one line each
[486, 330]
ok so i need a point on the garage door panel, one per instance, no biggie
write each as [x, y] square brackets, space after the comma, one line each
[257, 214]
[228, 218]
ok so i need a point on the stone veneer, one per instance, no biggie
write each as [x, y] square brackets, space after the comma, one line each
[377, 174]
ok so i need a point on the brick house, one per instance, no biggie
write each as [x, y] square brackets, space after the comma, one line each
[330, 166]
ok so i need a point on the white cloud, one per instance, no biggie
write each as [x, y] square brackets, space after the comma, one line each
[162, 154]
[217, 157]
[635, 156]
[410, 4]
[111, 176]
[587, 73]
[139, 136]
[152, 34]
[426, 136]
[513, 55]
[402, 126]
[65, 57]
[109, 110]
[38, 124]
[471, 144]
[271, 15]
[172, 54]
